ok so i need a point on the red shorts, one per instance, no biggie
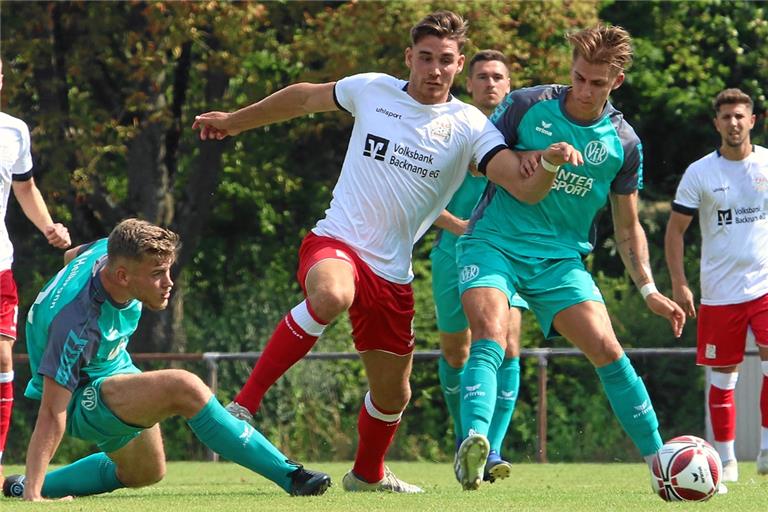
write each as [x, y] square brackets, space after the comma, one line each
[722, 331]
[381, 313]
[9, 304]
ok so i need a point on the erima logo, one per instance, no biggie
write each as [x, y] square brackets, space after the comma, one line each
[642, 409]
[246, 434]
[507, 395]
[544, 128]
[596, 152]
[468, 273]
[375, 147]
[724, 217]
[473, 391]
[90, 398]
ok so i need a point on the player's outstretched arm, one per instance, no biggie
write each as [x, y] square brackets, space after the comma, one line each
[506, 170]
[633, 249]
[49, 429]
[451, 223]
[674, 249]
[33, 206]
[293, 101]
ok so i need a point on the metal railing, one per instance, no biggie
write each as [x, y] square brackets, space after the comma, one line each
[542, 356]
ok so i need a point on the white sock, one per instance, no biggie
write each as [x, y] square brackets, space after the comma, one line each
[726, 450]
[763, 438]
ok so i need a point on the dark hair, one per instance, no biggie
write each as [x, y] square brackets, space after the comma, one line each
[134, 238]
[486, 56]
[443, 24]
[732, 97]
[603, 45]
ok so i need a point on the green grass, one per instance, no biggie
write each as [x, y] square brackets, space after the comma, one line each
[224, 487]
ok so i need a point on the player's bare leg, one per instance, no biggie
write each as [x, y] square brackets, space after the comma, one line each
[390, 390]
[588, 326]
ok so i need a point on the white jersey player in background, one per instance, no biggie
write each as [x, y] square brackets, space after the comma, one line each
[411, 144]
[16, 175]
[729, 190]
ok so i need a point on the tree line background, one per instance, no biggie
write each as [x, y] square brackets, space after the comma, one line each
[110, 90]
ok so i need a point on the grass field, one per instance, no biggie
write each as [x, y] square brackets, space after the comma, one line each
[224, 487]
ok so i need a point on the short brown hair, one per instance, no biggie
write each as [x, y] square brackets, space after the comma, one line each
[443, 24]
[485, 56]
[603, 45]
[134, 238]
[732, 96]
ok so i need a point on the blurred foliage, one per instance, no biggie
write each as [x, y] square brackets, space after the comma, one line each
[110, 90]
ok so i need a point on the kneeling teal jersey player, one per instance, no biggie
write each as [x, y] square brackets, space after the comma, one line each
[77, 333]
[537, 250]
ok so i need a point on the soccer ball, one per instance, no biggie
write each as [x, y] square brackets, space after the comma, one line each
[686, 468]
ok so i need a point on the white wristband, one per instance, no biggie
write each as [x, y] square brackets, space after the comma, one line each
[549, 166]
[647, 289]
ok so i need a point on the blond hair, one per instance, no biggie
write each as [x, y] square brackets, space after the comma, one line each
[442, 24]
[133, 239]
[603, 45]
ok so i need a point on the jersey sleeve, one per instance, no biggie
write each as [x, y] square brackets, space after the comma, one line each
[349, 89]
[72, 342]
[22, 168]
[687, 198]
[630, 175]
[507, 115]
[487, 144]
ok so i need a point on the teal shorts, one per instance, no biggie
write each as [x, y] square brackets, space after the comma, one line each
[445, 293]
[548, 285]
[89, 418]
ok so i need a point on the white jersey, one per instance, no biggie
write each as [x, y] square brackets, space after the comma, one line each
[15, 161]
[732, 200]
[403, 164]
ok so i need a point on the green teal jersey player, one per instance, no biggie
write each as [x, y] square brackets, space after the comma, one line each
[77, 335]
[488, 84]
[537, 250]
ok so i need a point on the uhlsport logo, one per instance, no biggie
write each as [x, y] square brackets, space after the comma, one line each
[596, 152]
[90, 398]
[375, 147]
[724, 217]
[468, 273]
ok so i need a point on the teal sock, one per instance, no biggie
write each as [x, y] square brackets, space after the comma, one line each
[239, 442]
[450, 383]
[631, 404]
[508, 382]
[478, 386]
[94, 474]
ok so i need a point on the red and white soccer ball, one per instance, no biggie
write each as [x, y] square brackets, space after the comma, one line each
[686, 468]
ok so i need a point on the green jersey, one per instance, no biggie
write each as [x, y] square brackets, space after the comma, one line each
[461, 205]
[75, 331]
[561, 225]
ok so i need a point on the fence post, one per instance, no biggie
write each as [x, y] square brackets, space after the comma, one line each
[542, 412]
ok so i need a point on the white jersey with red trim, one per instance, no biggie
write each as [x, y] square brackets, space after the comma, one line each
[15, 160]
[403, 164]
[732, 200]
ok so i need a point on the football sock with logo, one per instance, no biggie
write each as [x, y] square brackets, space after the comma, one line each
[508, 383]
[478, 386]
[6, 407]
[450, 383]
[94, 474]
[722, 410]
[294, 336]
[239, 442]
[631, 404]
[376, 429]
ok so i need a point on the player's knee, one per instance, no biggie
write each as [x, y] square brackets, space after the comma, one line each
[331, 301]
[144, 476]
[456, 357]
[6, 354]
[189, 391]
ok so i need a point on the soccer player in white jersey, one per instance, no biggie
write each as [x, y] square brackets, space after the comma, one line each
[408, 153]
[16, 174]
[729, 190]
